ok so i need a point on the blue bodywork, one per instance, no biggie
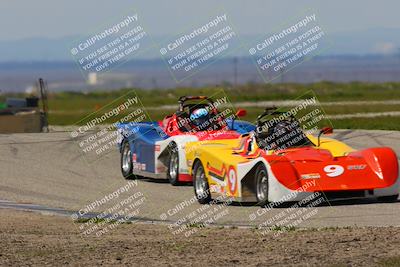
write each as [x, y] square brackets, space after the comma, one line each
[143, 136]
[241, 127]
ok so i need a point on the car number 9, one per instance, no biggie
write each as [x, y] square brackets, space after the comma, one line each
[333, 170]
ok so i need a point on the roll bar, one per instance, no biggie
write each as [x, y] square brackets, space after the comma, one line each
[183, 99]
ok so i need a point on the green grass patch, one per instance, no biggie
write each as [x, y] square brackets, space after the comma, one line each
[67, 108]
[377, 123]
[390, 262]
[366, 108]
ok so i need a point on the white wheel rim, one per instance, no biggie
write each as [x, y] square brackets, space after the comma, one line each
[126, 159]
[200, 182]
[173, 166]
[262, 185]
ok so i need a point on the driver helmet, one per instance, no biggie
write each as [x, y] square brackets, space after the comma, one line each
[199, 117]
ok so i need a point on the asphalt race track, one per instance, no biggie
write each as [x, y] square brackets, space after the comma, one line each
[49, 169]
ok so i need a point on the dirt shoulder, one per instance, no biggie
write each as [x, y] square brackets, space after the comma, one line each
[33, 239]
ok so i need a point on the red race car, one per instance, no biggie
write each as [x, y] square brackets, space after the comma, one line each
[279, 162]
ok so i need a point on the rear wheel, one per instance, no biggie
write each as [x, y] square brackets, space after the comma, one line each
[126, 161]
[261, 185]
[173, 165]
[388, 199]
[200, 183]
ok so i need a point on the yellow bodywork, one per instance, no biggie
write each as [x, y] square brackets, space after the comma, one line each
[219, 156]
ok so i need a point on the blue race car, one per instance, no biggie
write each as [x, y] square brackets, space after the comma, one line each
[154, 149]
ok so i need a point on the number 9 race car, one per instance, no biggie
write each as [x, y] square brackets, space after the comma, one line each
[154, 149]
[279, 162]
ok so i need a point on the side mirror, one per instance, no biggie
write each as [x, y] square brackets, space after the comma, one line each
[241, 113]
[325, 130]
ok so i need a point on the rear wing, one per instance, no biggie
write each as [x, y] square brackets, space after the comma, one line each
[268, 111]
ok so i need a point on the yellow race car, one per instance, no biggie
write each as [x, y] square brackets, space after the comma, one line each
[281, 163]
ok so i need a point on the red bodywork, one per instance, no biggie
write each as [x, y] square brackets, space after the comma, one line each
[171, 127]
[367, 169]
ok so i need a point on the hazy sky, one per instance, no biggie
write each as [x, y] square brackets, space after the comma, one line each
[54, 18]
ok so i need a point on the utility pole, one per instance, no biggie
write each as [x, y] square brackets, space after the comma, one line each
[43, 98]
[235, 61]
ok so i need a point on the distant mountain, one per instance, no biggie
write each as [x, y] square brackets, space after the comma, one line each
[36, 49]
[374, 41]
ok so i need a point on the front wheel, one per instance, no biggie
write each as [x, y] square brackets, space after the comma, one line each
[126, 161]
[200, 183]
[261, 185]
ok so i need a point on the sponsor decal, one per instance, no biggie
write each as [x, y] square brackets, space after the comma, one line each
[311, 176]
[157, 148]
[356, 167]
[161, 169]
[139, 166]
[189, 162]
[134, 157]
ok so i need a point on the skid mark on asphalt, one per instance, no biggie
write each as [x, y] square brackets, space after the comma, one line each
[45, 210]
[74, 172]
[5, 204]
[342, 135]
[36, 142]
[14, 150]
[365, 134]
[32, 193]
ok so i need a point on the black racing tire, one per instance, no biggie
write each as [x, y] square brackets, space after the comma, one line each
[200, 184]
[388, 199]
[173, 165]
[126, 161]
[261, 184]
